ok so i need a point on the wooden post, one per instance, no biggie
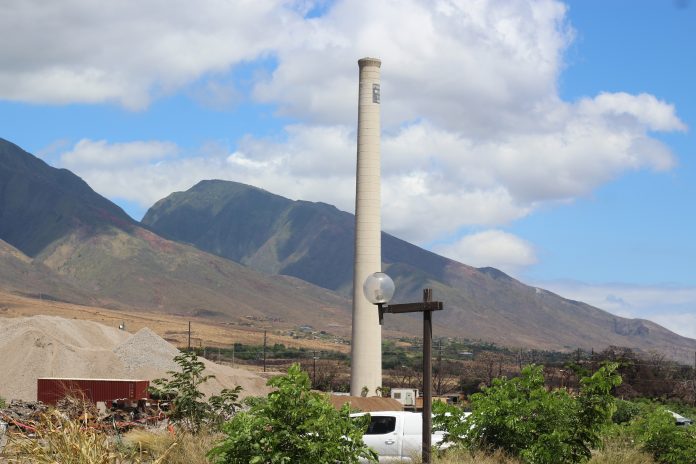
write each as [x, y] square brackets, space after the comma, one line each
[264, 351]
[427, 377]
[314, 376]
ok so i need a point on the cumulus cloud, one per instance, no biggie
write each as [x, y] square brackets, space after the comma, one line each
[671, 306]
[89, 154]
[475, 132]
[473, 66]
[491, 248]
[131, 50]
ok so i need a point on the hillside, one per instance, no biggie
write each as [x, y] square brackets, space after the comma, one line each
[60, 236]
[40, 204]
[314, 242]
[23, 276]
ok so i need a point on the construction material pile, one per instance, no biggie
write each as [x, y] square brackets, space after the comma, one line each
[48, 346]
[22, 412]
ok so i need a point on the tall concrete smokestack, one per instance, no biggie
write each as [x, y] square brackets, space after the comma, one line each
[366, 348]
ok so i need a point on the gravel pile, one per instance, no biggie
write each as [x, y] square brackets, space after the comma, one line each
[146, 348]
[48, 346]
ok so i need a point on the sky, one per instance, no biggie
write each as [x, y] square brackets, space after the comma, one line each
[553, 140]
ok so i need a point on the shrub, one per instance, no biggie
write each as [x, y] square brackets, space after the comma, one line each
[2, 402]
[668, 443]
[293, 425]
[626, 411]
[189, 410]
[520, 417]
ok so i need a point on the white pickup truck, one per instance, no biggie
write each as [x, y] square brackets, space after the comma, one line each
[396, 436]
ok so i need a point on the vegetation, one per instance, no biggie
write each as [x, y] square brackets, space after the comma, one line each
[522, 418]
[611, 453]
[657, 435]
[513, 421]
[292, 425]
[2, 402]
[179, 448]
[189, 410]
[61, 440]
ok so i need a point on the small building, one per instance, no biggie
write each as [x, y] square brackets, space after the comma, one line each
[50, 390]
[406, 396]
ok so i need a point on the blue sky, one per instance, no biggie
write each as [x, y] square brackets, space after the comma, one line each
[553, 140]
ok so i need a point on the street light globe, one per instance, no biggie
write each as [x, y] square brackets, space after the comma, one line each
[378, 288]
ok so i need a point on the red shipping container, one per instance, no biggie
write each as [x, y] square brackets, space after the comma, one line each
[51, 389]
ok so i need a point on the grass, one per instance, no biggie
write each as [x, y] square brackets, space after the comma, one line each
[184, 448]
[620, 449]
[614, 451]
[61, 440]
[460, 456]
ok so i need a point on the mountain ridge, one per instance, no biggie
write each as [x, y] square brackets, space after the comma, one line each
[40, 204]
[314, 242]
[56, 228]
[288, 263]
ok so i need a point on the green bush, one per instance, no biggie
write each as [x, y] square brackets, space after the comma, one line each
[522, 418]
[189, 409]
[2, 402]
[293, 425]
[669, 444]
[626, 411]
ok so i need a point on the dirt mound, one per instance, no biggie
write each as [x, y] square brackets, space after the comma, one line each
[48, 346]
[146, 349]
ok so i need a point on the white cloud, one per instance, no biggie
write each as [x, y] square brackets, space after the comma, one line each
[491, 248]
[475, 132]
[90, 154]
[131, 50]
[671, 306]
[476, 67]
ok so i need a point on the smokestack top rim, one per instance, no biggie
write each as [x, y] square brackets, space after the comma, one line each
[367, 61]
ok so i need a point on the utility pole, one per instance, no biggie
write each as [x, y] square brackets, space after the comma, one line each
[264, 351]
[314, 376]
[427, 380]
[439, 368]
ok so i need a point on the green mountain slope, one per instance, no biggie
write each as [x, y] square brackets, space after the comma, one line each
[58, 235]
[21, 275]
[314, 242]
[40, 204]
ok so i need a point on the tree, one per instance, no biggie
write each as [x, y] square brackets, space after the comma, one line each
[293, 424]
[523, 418]
[668, 443]
[189, 409]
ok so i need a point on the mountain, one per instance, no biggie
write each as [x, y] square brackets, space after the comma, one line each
[19, 274]
[40, 204]
[314, 242]
[62, 240]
